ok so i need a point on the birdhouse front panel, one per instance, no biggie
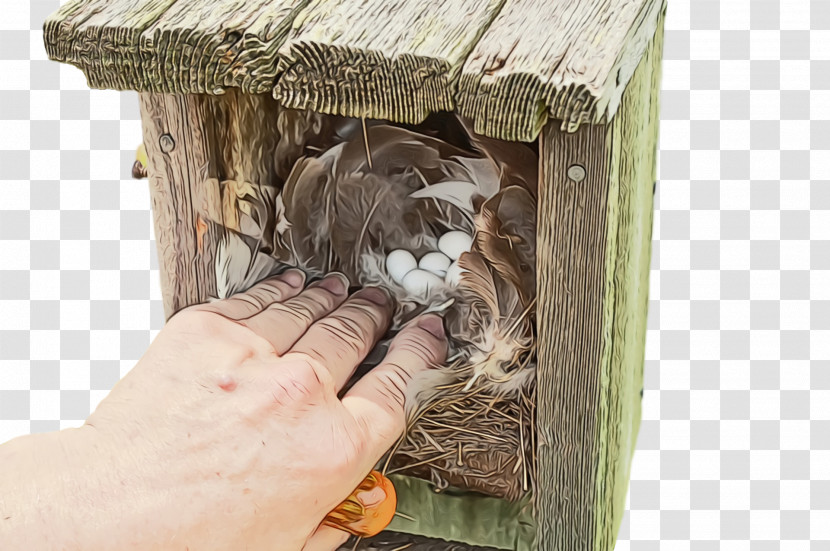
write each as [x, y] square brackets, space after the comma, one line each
[490, 161]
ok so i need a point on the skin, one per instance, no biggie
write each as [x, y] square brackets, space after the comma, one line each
[228, 433]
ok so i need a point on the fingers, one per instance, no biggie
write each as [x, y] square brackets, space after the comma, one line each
[258, 297]
[326, 538]
[283, 323]
[377, 401]
[340, 341]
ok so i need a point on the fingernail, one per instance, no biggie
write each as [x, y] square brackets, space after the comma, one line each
[433, 325]
[335, 283]
[374, 295]
[294, 277]
[372, 498]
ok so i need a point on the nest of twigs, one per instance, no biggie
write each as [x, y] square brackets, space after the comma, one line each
[369, 200]
[471, 439]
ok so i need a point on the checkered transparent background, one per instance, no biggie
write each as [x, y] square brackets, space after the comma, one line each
[734, 451]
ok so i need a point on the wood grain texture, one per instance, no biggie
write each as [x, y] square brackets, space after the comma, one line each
[633, 176]
[183, 160]
[571, 271]
[594, 242]
[508, 65]
[383, 59]
[101, 37]
[200, 46]
[246, 124]
[184, 46]
[564, 60]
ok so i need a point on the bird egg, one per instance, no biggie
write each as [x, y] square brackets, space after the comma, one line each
[421, 282]
[454, 243]
[435, 262]
[399, 263]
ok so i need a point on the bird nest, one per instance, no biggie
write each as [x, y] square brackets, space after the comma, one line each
[445, 220]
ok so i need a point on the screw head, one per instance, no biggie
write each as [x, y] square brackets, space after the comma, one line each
[167, 143]
[576, 173]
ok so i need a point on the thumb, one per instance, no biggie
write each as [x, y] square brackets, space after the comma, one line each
[378, 399]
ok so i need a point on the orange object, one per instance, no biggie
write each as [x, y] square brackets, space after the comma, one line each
[368, 510]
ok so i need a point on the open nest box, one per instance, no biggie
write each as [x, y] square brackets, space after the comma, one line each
[493, 160]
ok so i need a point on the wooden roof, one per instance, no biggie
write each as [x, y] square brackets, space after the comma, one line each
[508, 65]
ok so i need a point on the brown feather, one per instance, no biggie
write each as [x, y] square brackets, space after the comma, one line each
[476, 308]
[506, 238]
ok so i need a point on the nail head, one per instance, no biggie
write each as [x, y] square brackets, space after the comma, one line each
[576, 173]
[167, 143]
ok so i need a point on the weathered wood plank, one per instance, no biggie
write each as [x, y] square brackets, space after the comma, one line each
[564, 60]
[216, 164]
[200, 46]
[386, 59]
[182, 153]
[101, 37]
[508, 65]
[184, 46]
[571, 269]
[633, 174]
[593, 265]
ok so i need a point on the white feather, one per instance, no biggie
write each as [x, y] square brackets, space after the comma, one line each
[457, 193]
[237, 269]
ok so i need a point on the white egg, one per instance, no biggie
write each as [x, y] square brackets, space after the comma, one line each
[421, 282]
[435, 262]
[399, 263]
[453, 274]
[454, 243]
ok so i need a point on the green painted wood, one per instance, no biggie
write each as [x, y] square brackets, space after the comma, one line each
[593, 260]
[462, 517]
[632, 176]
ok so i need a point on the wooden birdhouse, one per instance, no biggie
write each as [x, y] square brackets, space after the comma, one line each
[510, 142]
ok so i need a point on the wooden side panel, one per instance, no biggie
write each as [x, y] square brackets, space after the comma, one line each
[216, 164]
[183, 153]
[565, 60]
[633, 176]
[385, 59]
[594, 243]
[571, 273]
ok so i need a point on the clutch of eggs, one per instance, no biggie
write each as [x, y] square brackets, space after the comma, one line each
[434, 270]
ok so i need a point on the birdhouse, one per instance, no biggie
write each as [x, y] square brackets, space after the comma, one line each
[493, 160]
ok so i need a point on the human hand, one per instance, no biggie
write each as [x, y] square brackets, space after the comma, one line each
[229, 434]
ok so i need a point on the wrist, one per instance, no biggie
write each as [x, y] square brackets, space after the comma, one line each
[101, 492]
[34, 498]
[80, 471]
[51, 492]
